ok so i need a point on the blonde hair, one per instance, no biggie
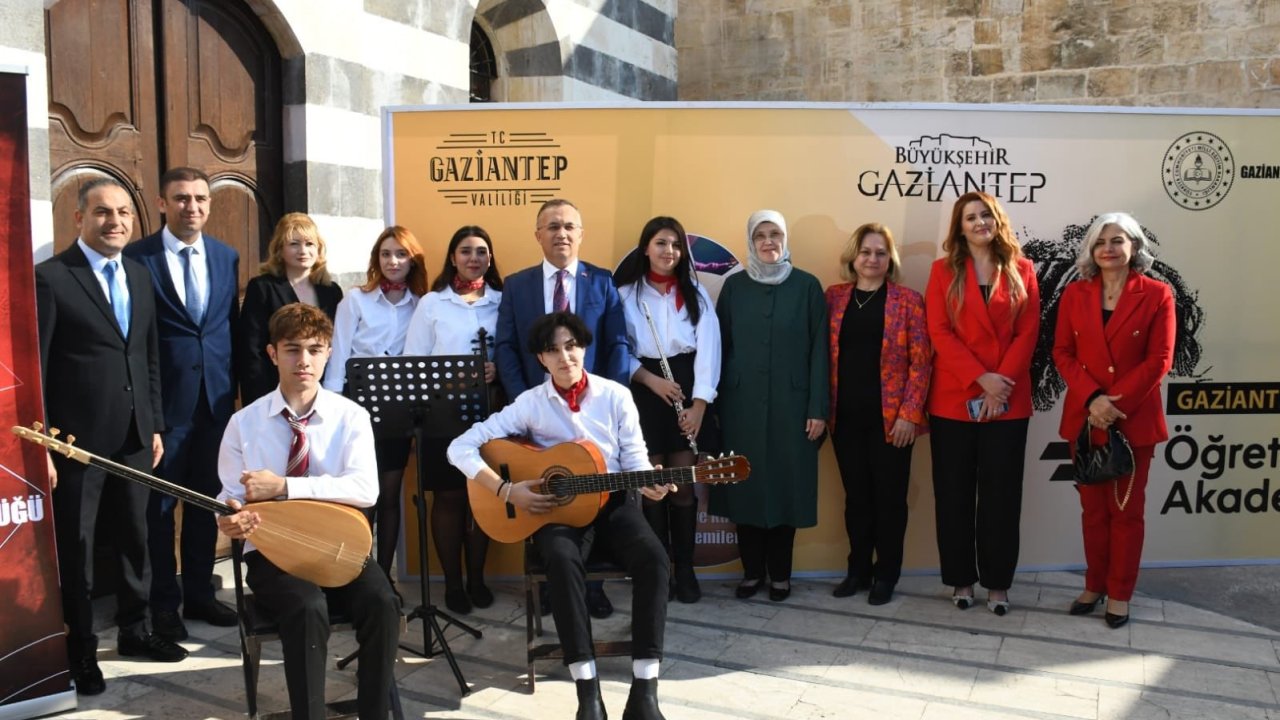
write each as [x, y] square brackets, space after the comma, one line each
[301, 224]
[1005, 251]
[854, 246]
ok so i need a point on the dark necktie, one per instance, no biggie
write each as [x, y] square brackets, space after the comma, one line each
[560, 299]
[299, 448]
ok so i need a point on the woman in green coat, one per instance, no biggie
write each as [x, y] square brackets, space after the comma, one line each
[773, 402]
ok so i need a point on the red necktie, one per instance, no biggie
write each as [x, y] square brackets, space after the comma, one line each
[299, 448]
[560, 299]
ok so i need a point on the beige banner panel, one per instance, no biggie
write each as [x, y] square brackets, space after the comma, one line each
[1206, 185]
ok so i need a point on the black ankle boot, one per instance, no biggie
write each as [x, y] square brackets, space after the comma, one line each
[642, 703]
[684, 527]
[590, 705]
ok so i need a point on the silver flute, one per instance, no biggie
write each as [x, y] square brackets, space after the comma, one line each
[666, 372]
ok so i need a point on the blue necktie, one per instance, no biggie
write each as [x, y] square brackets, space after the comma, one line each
[119, 304]
[195, 299]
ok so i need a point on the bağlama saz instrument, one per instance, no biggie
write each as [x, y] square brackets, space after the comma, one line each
[321, 542]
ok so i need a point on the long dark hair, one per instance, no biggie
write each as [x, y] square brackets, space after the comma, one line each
[492, 277]
[634, 268]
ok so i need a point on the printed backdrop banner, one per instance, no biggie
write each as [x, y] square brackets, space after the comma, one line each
[1206, 186]
[33, 652]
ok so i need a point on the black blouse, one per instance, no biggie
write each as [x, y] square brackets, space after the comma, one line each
[861, 333]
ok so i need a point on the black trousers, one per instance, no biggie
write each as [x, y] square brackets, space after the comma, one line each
[83, 495]
[977, 491]
[622, 534]
[875, 475]
[301, 609]
[190, 460]
[766, 549]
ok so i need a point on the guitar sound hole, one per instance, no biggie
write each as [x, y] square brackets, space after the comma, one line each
[556, 481]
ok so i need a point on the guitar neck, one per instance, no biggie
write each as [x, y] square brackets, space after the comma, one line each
[608, 482]
[188, 496]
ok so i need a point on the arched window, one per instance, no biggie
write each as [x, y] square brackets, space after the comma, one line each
[484, 66]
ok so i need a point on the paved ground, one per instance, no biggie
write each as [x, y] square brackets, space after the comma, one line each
[1204, 643]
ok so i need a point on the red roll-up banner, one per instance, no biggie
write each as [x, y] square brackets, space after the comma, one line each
[34, 679]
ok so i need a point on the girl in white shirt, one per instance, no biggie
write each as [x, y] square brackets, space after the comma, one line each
[660, 275]
[463, 299]
[372, 321]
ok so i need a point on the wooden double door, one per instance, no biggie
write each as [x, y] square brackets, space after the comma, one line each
[140, 86]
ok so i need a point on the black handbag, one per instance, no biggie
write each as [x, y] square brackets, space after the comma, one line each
[1101, 463]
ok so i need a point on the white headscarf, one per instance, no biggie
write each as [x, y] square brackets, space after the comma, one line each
[757, 269]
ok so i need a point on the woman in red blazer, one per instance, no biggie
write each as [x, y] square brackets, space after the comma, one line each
[1113, 344]
[983, 307]
[880, 366]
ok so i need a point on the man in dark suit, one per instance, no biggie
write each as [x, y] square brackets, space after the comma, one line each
[99, 356]
[561, 283]
[195, 281]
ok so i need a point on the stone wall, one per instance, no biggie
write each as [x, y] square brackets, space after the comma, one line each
[1175, 53]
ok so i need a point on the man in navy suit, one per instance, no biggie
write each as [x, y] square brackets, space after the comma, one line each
[196, 284]
[561, 283]
[582, 289]
[99, 359]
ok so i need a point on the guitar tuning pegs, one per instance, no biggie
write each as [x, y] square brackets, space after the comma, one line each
[53, 432]
[71, 439]
[37, 426]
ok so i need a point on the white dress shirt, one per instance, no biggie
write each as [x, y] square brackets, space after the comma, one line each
[341, 465]
[367, 325]
[199, 264]
[98, 262]
[549, 284]
[445, 324]
[607, 417]
[677, 333]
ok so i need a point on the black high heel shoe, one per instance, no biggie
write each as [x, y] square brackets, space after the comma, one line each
[1085, 608]
[1115, 622]
[963, 602]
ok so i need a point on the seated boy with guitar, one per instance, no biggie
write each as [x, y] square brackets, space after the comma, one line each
[303, 441]
[575, 405]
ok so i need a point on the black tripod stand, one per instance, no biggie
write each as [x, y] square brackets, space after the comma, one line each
[438, 396]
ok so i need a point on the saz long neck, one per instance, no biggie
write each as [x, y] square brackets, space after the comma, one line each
[188, 496]
[608, 482]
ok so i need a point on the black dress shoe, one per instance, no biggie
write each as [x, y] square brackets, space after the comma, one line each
[642, 702]
[590, 705]
[598, 605]
[850, 586]
[747, 589]
[151, 647]
[168, 625]
[88, 677]
[1084, 608]
[457, 600]
[1115, 622]
[778, 594]
[881, 592]
[481, 596]
[213, 612]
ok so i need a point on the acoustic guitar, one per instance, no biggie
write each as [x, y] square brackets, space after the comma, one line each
[575, 475]
[321, 542]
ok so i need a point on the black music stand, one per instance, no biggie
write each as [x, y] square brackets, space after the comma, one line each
[436, 396]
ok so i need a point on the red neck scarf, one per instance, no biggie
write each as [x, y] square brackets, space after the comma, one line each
[664, 285]
[573, 393]
[462, 287]
[387, 286]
